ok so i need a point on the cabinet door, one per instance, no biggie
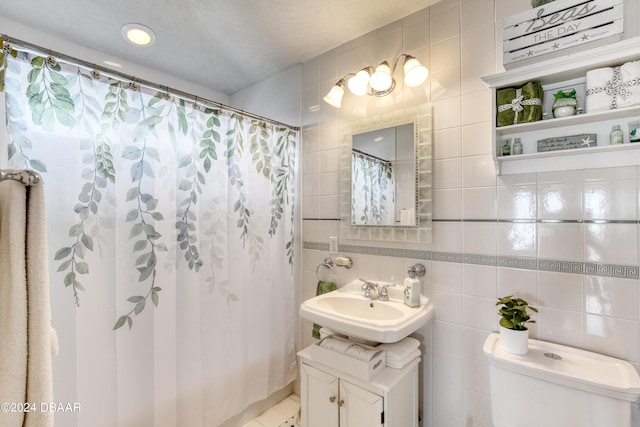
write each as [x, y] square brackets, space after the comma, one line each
[359, 407]
[319, 398]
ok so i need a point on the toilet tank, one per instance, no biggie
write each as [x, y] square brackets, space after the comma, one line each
[558, 386]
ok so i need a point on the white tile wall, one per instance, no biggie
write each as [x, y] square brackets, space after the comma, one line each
[474, 211]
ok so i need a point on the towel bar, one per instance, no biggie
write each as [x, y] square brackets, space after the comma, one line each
[27, 177]
[345, 262]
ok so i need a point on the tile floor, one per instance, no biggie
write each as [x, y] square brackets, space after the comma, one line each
[284, 414]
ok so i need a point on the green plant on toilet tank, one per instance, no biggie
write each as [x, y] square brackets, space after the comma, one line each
[514, 313]
[514, 334]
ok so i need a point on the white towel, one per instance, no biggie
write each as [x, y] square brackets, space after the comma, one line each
[349, 348]
[613, 87]
[399, 364]
[25, 313]
[335, 344]
[399, 351]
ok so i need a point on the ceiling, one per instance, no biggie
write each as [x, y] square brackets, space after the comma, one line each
[225, 45]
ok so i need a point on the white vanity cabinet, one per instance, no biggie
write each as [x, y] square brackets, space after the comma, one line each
[332, 398]
[564, 73]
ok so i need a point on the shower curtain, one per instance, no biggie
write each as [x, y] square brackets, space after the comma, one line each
[372, 191]
[170, 229]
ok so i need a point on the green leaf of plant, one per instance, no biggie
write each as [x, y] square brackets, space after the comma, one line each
[76, 230]
[64, 265]
[139, 245]
[131, 153]
[69, 278]
[38, 165]
[136, 172]
[62, 253]
[145, 272]
[132, 193]
[184, 160]
[153, 153]
[142, 259]
[140, 306]
[135, 230]
[82, 268]
[135, 299]
[132, 215]
[120, 323]
[87, 241]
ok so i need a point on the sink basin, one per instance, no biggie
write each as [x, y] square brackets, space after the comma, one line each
[348, 312]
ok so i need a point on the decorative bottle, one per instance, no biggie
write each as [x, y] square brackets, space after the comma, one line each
[616, 136]
[517, 146]
[506, 147]
[412, 292]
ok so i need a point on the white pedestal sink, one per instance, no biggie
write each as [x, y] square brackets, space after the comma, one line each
[348, 312]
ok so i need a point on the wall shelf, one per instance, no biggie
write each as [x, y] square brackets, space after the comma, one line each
[563, 73]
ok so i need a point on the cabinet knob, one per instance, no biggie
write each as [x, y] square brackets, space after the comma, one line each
[332, 399]
[340, 403]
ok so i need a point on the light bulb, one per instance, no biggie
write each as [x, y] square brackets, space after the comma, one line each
[414, 73]
[381, 79]
[138, 34]
[334, 97]
[358, 83]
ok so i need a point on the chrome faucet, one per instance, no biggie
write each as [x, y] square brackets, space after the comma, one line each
[375, 291]
[370, 289]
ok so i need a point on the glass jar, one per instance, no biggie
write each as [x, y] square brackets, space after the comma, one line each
[517, 146]
[616, 136]
[506, 147]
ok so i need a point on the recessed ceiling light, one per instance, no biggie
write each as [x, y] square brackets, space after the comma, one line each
[138, 34]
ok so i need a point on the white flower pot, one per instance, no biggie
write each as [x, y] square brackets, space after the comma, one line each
[514, 342]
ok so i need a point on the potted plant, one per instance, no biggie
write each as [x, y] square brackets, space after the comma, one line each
[514, 334]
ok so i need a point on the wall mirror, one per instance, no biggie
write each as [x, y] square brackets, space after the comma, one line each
[385, 181]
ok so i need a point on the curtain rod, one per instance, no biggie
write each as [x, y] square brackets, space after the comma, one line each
[27, 177]
[363, 154]
[123, 76]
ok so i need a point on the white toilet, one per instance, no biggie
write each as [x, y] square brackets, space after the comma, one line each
[558, 386]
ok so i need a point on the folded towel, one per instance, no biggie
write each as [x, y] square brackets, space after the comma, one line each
[519, 105]
[322, 288]
[609, 88]
[337, 345]
[398, 351]
[362, 353]
[349, 348]
[399, 364]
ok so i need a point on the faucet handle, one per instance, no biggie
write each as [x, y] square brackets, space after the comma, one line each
[366, 284]
[384, 294]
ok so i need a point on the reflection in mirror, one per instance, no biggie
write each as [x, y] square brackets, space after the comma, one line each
[385, 176]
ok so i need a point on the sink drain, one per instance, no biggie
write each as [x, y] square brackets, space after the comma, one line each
[553, 356]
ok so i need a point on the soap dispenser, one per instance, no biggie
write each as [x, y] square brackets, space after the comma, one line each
[412, 287]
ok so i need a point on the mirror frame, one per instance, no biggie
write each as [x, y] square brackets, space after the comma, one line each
[421, 117]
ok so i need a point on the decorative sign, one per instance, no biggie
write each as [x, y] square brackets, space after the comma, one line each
[568, 142]
[559, 25]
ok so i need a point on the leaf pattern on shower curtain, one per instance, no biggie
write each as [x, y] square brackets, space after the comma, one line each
[104, 114]
[97, 174]
[372, 191]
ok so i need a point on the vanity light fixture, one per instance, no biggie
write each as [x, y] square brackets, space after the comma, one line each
[138, 34]
[377, 81]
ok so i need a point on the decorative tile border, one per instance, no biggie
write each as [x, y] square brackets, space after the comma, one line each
[525, 263]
